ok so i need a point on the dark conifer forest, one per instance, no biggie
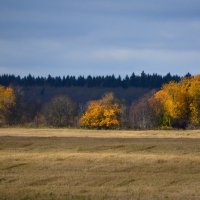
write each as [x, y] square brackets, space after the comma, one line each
[143, 80]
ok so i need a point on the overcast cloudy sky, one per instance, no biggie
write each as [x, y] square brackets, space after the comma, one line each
[98, 37]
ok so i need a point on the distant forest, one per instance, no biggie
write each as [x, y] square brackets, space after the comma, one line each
[144, 80]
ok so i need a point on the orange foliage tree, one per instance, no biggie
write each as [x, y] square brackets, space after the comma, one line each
[103, 113]
[194, 99]
[178, 102]
[7, 100]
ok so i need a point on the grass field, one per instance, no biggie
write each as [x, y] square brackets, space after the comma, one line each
[79, 164]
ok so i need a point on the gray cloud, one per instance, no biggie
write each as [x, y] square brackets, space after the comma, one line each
[99, 37]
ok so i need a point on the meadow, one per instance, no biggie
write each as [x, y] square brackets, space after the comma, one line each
[90, 164]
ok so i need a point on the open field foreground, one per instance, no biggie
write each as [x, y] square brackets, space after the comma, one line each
[79, 164]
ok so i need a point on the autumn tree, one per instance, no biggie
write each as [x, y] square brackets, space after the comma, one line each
[172, 98]
[7, 100]
[142, 115]
[104, 113]
[60, 112]
[178, 104]
[193, 86]
[20, 112]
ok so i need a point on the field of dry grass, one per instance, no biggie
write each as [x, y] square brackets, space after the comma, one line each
[79, 164]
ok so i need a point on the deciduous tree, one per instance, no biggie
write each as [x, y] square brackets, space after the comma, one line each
[194, 97]
[7, 100]
[142, 115]
[178, 104]
[60, 112]
[103, 113]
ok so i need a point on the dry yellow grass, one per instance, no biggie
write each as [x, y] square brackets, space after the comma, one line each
[46, 132]
[80, 164]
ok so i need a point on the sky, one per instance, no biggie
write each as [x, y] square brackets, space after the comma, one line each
[99, 37]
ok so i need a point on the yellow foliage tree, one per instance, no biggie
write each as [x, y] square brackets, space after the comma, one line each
[103, 113]
[7, 100]
[179, 101]
[173, 98]
[194, 99]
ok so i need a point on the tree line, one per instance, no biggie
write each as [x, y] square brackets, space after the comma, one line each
[175, 105]
[142, 80]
